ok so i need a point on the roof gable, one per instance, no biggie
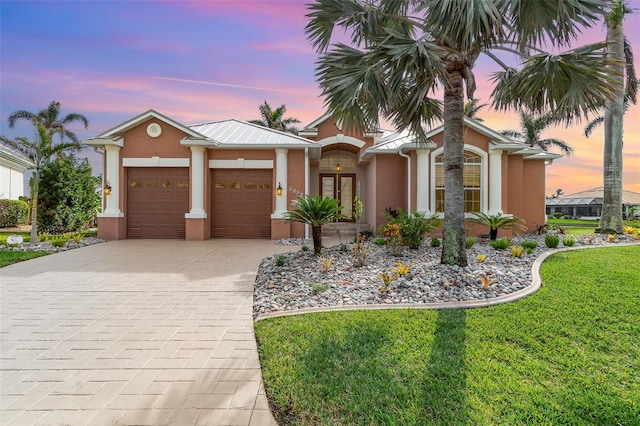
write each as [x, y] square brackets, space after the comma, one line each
[137, 120]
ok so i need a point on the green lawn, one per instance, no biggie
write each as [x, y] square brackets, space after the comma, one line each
[9, 257]
[568, 354]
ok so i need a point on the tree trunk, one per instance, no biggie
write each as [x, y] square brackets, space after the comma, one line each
[316, 232]
[454, 250]
[34, 208]
[493, 234]
[611, 218]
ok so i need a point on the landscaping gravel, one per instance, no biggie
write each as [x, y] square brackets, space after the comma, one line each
[47, 247]
[301, 283]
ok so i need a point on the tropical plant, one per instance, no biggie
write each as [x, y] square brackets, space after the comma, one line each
[39, 151]
[551, 240]
[471, 109]
[497, 221]
[398, 52]
[611, 220]
[314, 211]
[531, 128]
[501, 243]
[470, 242]
[516, 251]
[274, 119]
[359, 252]
[51, 120]
[413, 227]
[68, 199]
[528, 244]
[568, 241]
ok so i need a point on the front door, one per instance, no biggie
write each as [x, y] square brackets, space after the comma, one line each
[341, 187]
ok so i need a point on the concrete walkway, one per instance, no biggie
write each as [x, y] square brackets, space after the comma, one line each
[144, 332]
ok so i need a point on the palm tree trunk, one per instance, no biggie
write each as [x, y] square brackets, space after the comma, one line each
[611, 217]
[34, 208]
[316, 232]
[454, 251]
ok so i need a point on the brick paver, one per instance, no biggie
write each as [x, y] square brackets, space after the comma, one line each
[133, 332]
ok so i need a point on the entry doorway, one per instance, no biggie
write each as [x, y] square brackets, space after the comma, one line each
[341, 187]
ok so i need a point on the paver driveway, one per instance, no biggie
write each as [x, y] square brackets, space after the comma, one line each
[133, 332]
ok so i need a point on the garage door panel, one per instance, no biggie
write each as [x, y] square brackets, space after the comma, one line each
[157, 200]
[242, 203]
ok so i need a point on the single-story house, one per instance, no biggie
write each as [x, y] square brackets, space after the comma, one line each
[233, 179]
[588, 203]
[12, 167]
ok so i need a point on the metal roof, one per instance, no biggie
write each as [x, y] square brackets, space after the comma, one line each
[592, 196]
[241, 134]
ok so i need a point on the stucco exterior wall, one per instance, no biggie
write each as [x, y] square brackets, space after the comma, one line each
[391, 186]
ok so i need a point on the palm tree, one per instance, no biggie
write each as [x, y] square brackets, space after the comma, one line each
[314, 211]
[50, 119]
[39, 151]
[274, 119]
[532, 127]
[497, 221]
[471, 109]
[611, 217]
[400, 51]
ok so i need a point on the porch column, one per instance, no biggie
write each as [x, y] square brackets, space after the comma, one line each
[495, 182]
[422, 176]
[113, 177]
[281, 179]
[197, 183]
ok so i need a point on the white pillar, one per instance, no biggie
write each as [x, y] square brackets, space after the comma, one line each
[197, 183]
[422, 175]
[281, 179]
[113, 177]
[495, 182]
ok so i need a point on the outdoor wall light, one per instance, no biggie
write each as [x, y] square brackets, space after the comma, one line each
[107, 188]
[279, 190]
[338, 168]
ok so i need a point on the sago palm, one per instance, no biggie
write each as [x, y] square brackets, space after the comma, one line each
[497, 221]
[314, 211]
[398, 52]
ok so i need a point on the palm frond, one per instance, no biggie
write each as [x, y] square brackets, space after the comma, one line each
[571, 84]
[558, 22]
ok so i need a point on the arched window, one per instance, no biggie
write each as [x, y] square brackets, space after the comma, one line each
[472, 173]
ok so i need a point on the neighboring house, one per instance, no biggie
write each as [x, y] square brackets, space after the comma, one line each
[589, 203]
[222, 179]
[12, 168]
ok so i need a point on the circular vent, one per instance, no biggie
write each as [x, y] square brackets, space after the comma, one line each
[154, 130]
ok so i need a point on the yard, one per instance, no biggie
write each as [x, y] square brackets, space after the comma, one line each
[569, 354]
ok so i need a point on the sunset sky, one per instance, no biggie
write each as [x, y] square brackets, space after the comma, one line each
[214, 60]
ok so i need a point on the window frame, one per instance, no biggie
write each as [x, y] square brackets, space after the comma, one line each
[484, 178]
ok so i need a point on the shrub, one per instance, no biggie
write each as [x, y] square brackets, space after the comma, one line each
[501, 243]
[402, 269]
[435, 242]
[470, 242]
[13, 213]
[67, 197]
[516, 251]
[414, 227]
[380, 241]
[568, 241]
[326, 264]
[359, 252]
[281, 260]
[530, 245]
[551, 240]
[77, 237]
[305, 248]
[557, 215]
[318, 288]
[59, 240]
